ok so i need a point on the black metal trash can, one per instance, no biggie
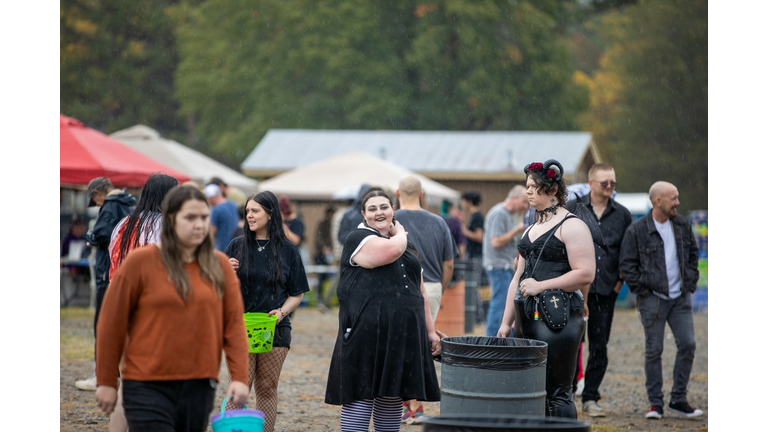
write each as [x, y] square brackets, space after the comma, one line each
[491, 375]
[501, 423]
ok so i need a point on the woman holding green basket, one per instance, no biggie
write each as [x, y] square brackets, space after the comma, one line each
[273, 283]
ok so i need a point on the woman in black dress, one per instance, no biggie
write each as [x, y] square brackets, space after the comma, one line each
[385, 325]
[272, 281]
[566, 263]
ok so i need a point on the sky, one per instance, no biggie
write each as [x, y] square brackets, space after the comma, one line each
[30, 105]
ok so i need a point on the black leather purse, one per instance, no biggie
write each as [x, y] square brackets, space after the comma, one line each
[552, 305]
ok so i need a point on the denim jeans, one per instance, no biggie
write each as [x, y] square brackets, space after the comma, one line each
[655, 313]
[500, 280]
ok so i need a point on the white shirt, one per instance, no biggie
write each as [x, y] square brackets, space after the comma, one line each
[670, 255]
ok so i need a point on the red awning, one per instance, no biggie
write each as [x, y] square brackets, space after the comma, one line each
[86, 153]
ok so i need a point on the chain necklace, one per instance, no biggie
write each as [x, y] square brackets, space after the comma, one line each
[260, 247]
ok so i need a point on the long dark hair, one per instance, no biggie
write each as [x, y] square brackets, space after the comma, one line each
[143, 218]
[268, 201]
[210, 267]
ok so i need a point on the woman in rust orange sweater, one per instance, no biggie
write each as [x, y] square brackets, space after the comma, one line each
[170, 310]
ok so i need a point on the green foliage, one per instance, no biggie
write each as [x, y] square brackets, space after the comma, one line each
[223, 72]
[117, 63]
[247, 67]
[649, 98]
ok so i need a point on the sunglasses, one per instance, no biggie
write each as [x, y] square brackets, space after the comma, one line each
[605, 184]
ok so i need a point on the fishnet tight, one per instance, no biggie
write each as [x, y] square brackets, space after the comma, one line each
[263, 376]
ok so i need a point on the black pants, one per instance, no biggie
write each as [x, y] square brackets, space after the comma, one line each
[562, 352]
[99, 299]
[172, 406]
[598, 332]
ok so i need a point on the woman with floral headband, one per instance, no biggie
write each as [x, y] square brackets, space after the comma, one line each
[556, 253]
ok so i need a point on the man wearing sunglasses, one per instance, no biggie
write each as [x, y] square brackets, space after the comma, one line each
[613, 219]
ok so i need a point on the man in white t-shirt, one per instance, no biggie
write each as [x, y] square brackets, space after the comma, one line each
[659, 262]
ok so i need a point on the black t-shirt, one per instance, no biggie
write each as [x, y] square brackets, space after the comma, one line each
[297, 227]
[475, 249]
[257, 296]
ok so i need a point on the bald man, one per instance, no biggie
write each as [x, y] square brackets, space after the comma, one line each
[659, 262]
[430, 235]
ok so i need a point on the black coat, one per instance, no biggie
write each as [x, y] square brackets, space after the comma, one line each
[116, 206]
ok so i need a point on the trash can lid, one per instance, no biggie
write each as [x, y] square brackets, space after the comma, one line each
[499, 423]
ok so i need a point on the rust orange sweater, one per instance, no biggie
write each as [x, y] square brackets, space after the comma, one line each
[145, 322]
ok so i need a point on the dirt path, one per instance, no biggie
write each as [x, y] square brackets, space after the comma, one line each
[302, 383]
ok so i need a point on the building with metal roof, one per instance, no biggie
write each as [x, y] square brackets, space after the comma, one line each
[439, 155]
[488, 162]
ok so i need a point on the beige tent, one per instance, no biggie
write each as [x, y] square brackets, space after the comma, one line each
[199, 167]
[328, 178]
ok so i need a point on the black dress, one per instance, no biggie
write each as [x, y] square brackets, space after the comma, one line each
[563, 344]
[386, 351]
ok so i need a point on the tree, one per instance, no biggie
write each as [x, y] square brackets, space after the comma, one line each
[117, 63]
[247, 67]
[648, 108]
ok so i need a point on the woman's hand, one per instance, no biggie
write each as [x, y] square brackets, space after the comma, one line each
[530, 287]
[106, 398]
[395, 228]
[504, 331]
[279, 314]
[239, 392]
[235, 263]
[434, 343]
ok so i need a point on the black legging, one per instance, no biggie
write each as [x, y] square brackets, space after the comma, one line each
[99, 300]
[562, 350]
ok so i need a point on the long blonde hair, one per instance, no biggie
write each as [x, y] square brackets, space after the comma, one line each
[210, 268]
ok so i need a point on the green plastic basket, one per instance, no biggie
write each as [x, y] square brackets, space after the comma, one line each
[260, 329]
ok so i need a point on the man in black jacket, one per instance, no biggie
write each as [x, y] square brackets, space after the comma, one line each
[659, 262]
[613, 220]
[115, 204]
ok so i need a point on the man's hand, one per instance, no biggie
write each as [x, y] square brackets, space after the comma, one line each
[617, 288]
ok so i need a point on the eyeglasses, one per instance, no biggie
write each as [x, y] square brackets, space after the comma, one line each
[605, 184]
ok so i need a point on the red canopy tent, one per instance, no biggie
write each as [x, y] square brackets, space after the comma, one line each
[87, 153]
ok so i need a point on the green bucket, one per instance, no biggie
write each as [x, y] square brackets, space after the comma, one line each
[260, 329]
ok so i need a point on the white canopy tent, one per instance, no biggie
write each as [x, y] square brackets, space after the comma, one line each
[339, 176]
[199, 167]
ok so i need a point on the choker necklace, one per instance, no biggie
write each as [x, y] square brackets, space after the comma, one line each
[545, 215]
[260, 247]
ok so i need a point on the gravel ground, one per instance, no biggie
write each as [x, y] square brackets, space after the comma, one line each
[302, 383]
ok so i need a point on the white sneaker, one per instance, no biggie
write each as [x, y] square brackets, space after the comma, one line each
[592, 409]
[88, 384]
[579, 387]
